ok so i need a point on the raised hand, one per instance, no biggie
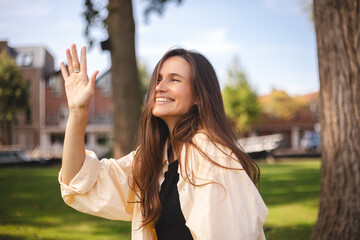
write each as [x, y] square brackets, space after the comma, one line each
[79, 88]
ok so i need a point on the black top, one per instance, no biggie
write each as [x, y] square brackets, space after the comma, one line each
[171, 224]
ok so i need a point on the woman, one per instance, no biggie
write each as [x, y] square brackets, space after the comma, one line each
[188, 178]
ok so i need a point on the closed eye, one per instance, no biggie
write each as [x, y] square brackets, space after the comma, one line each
[174, 80]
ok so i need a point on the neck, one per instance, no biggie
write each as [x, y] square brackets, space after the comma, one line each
[170, 126]
[172, 156]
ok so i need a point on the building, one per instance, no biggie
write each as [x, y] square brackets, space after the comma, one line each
[100, 124]
[301, 131]
[41, 130]
[35, 64]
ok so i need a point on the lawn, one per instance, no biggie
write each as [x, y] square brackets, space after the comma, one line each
[291, 192]
[31, 206]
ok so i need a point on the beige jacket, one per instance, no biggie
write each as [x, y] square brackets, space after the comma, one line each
[232, 209]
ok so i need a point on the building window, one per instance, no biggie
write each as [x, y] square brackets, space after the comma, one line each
[104, 83]
[102, 116]
[63, 113]
[24, 59]
[111, 113]
[28, 117]
[28, 141]
[51, 119]
[16, 139]
[102, 140]
[55, 83]
[57, 138]
[106, 91]
[16, 120]
[314, 109]
[30, 88]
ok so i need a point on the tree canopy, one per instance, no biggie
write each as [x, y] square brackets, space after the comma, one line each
[281, 105]
[144, 78]
[240, 100]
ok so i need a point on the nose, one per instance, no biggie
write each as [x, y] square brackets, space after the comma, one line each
[161, 86]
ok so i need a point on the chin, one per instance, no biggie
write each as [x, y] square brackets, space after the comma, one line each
[158, 114]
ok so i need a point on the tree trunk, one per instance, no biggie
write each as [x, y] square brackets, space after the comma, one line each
[125, 82]
[337, 24]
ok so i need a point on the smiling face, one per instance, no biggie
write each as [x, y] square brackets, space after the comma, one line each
[173, 94]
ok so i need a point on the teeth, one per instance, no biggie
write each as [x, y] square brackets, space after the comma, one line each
[164, 100]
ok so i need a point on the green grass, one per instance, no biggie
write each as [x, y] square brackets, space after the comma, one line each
[31, 206]
[291, 192]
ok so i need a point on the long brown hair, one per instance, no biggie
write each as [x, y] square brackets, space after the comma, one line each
[207, 114]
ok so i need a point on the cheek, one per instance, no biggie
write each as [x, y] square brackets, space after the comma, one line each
[188, 100]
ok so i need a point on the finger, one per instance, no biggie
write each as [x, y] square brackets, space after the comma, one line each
[92, 79]
[83, 60]
[64, 71]
[75, 58]
[69, 59]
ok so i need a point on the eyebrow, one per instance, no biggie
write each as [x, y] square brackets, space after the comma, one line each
[173, 74]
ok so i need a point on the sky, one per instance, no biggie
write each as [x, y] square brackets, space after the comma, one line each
[274, 40]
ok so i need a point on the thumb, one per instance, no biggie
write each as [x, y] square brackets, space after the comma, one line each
[92, 81]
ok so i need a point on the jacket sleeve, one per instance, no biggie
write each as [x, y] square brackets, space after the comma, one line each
[229, 206]
[101, 188]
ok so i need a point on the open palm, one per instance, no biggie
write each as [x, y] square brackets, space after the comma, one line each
[79, 88]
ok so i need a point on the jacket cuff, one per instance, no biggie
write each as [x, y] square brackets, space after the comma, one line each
[85, 178]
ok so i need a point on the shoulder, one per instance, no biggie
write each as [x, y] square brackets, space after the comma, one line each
[205, 147]
[203, 142]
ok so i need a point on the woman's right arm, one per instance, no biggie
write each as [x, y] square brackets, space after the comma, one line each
[100, 188]
[79, 90]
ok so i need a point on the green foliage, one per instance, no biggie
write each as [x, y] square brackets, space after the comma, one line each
[13, 95]
[281, 105]
[144, 79]
[240, 100]
[13, 89]
[96, 12]
[157, 6]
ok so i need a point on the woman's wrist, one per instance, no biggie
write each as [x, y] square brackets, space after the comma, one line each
[79, 112]
[78, 117]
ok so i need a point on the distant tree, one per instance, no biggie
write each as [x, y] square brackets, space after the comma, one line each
[337, 34]
[240, 100]
[144, 79]
[120, 27]
[13, 96]
[281, 105]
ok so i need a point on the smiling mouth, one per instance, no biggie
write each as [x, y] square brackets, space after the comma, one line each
[159, 100]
